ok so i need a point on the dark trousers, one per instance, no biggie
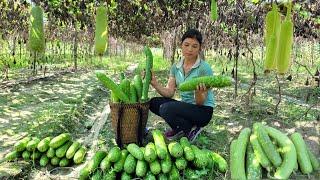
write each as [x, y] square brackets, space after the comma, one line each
[180, 115]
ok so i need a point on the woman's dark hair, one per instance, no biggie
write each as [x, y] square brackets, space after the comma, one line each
[192, 33]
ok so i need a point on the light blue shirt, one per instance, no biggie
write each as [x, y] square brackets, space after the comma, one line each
[200, 68]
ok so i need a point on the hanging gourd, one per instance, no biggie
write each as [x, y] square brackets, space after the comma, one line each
[36, 32]
[214, 10]
[285, 43]
[272, 33]
[101, 31]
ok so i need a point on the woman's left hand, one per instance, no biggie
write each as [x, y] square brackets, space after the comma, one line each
[201, 89]
[201, 93]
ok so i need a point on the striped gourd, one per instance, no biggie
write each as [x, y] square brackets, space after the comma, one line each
[289, 153]
[302, 153]
[238, 156]
[101, 32]
[259, 153]
[285, 43]
[36, 32]
[108, 83]
[214, 10]
[137, 83]
[210, 81]
[253, 168]
[272, 38]
[268, 147]
[147, 80]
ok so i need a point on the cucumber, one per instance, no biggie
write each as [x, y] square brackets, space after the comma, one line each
[302, 153]
[162, 176]
[188, 153]
[105, 164]
[110, 175]
[73, 149]
[181, 163]
[220, 161]
[114, 154]
[94, 163]
[200, 157]
[210, 164]
[150, 152]
[175, 149]
[43, 145]
[125, 176]
[161, 147]
[26, 155]
[289, 156]
[51, 153]
[97, 175]
[118, 166]
[22, 144]
[155, 167]
[59, 140]
[174, 173]
[79, 155]
[150, 176]
[135, 151]
[266, 144]
[64, 162]
[253, 168]
[61, 151]
[11, 155]
[141, 168]
[55, 161]
[44, 160]
[32, 145]
[84, 173]
[166, 164]
[35, 155]
[130, 164]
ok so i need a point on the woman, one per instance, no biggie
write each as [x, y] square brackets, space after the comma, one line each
[194, 111]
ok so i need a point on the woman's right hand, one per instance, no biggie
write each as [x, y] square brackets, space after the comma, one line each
[154, 81]
[153, 77]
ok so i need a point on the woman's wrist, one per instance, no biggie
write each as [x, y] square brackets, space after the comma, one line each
[154, 84]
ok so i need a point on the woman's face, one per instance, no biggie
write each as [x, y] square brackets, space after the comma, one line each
[190, 48]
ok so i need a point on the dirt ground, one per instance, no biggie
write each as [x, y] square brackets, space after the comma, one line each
[77, 103]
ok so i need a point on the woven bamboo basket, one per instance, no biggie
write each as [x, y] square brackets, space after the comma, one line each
[129, 121]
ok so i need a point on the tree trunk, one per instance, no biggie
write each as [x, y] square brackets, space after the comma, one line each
[236, 57]
[34, 63]
[75, 46]
[174, 47]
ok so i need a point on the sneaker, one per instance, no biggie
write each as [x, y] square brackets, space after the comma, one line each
[193, 134]
[171, 134]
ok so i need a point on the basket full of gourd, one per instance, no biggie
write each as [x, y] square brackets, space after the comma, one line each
[129, 103]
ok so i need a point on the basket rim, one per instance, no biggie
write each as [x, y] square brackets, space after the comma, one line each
[129, 104]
